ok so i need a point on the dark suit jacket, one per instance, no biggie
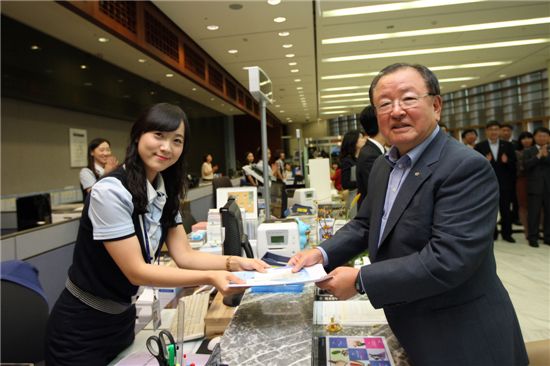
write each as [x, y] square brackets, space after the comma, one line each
[366, 159]
[506, 172]
[537, 170]
[434, 272]
[349, 172]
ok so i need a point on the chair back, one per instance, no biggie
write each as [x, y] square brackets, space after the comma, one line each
[24, 314]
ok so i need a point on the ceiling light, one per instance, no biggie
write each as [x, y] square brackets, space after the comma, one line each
[284, 34]
[281, 111]
[287, 45]
[345, 106]
[289, 55]
[502, 76]
[436, 31]
[103, 39]
[279, 20]
[212, 27]
[152, 92]
[88, 83]
[142, 60]
[345, 100]
[297, 80]
[294, 70]
[523, 42]
[232, 51]
[292, 63]
[35, 47]
[334, 112]
[347, 76]
[273, 2]
[343, 95]
[347, 88]
[212, 99]
[83, 67]
[194, 89]
[299, 87]
[464, 86]
[451, 80]
[369, 9]
[169, 75]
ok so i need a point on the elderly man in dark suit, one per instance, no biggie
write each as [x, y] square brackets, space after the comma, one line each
[502, 156]
[368, 154]
[537, 165]
[428, 223]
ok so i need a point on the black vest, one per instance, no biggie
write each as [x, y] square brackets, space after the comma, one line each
[93, 270]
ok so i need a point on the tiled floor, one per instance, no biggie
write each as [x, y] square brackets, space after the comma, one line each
[525, 272]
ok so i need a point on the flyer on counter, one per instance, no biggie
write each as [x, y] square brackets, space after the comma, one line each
[354, 351]
[281, 276]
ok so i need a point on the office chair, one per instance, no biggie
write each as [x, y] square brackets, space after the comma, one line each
[219, 183]
[24, 314]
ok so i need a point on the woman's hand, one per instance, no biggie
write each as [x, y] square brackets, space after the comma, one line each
[111, 164]
[221, 280]
[247, 264]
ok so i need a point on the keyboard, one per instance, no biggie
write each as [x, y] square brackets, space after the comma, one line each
[192, 309]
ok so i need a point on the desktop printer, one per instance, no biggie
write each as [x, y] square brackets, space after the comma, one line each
[302, 197]
[279, 237]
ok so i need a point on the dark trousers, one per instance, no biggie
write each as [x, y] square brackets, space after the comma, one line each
[536, 203]
[505, 213]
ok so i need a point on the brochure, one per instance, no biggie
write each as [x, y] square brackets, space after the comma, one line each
[354, 351]
[281, 276]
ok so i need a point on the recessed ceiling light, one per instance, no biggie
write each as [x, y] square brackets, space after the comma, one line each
[452, 80]
[169, 75]
[152, 92]
[355, 87]
[345, 100]
[343, 95]
[194, 89]
[142, 60]
[369, 9]
[283, 34]
[334, 112]
[277, 106]
[435, 31]
[294, 70]
[292, 63]
[297, 80]
[502, 76]
[287, 45]
[523, 42]
[212, 99]
[103, 39]
[232, 51]
[279, 20]
[83, 67]
[464, 86]
[35, 47]
[299, 87]
[282, 111]
[273, 2]
[289, 55]
[212, 27]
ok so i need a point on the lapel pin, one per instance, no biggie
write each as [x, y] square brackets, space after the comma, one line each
[417, 173]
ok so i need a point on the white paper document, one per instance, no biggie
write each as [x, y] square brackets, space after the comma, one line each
[351, 312]
[281, 276]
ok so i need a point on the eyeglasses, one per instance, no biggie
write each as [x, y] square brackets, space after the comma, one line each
[406, 102]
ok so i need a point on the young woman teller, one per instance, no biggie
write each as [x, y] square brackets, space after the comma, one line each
[126, 218]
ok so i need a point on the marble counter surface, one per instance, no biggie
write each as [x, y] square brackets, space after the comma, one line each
[277, 329]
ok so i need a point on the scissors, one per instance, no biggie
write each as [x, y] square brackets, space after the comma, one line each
[163, 348]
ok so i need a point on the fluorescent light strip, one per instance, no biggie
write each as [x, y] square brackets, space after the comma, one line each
[343, 95]
[335, 112]
[451, 80]
[345, 106]
[425, 32]
[346, 88]
[345, 100]
[370, 9]
[433, 68]
[523, 42]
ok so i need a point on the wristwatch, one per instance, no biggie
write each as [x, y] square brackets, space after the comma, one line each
[359, 285]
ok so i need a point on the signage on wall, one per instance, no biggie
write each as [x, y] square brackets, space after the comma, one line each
[78, 143]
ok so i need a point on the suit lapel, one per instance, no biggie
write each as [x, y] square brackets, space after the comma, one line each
[379, 196]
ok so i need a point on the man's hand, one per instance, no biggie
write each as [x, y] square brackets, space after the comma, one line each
[504, 158]
[489, 156]
[342, 282]
[305, 259]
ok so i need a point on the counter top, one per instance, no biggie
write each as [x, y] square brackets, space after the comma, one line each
[277, 329]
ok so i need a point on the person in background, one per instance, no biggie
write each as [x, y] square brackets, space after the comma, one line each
[525, 141]
[373, 148]
[207, 170]
[281, 163]
[260, 164]
[336, 176]
[249, 179]
[469, 137]
[536, 161]
[502, 156]
[443, 127]
[288, 175]
[352, 143]
[100, 162]
[427, 223]
[505, 133]
[275, 169]
[130, 214]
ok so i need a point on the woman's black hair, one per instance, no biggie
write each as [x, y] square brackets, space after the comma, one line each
[205, 157]
[160, 117]
[523, 135]
[91, 147]
[349, 143]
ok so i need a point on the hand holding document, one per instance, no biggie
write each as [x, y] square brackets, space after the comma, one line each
[281, 276]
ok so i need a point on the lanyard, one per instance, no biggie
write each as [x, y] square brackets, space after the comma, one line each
[148, 248]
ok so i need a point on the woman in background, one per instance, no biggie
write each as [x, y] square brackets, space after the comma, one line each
[100, 162]
[128, 216]
[249, 179]
[349, 151]
[207, 170]
[525, 141]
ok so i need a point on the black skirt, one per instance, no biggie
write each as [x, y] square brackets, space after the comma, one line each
[80, 335]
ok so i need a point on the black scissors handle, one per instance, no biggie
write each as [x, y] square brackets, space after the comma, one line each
[155, 346]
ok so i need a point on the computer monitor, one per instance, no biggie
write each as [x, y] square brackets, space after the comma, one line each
[235, 240]
[246, 197]
[33, 211]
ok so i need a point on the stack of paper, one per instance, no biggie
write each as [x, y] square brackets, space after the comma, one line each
[351, 312]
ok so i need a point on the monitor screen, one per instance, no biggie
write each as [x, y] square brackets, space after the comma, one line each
[33, 211]
[246, 197]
